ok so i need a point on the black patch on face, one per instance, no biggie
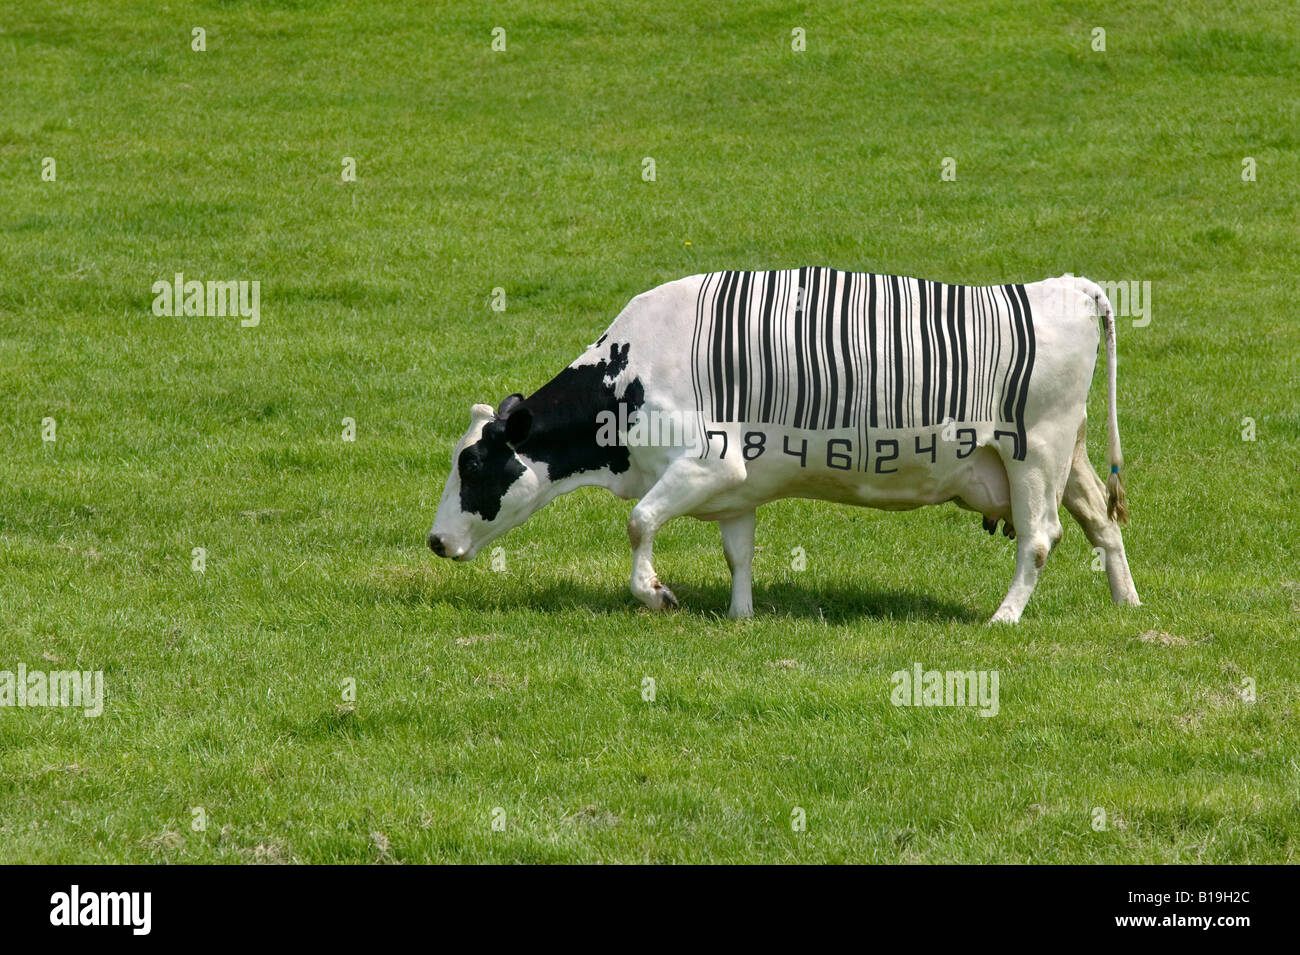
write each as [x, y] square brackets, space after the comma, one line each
[565, 410]
[487, 469]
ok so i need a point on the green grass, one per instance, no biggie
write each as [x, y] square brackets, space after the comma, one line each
[522, 689]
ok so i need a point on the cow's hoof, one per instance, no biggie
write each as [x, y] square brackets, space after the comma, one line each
[663, 598]
[1005, 615]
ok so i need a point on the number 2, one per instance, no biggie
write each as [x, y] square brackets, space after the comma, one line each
[880, 443]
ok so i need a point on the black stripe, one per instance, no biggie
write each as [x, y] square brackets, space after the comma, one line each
[947, 384]
[961, 358]
[1010, 388]
[990, 371]
[986, 355]
[780, 387]
[909, 366]
[741, 408]
[886, 354]
[941, 292]
[886, 357]
[814, 353]
[778, 344]
[716, 385]
[867, 389]
[898, 352]
[1013, 379]
[979, 342]
[915, 400]
[786, 373]
[1001, 316]
[765, 346]
[905, 350]
[1019, 292]
[871, 350]
[800, 303]
[832, 376]
[948, 339]
[995, 328]
[850, 357]
[729, 349]
[988, 368]
[925, 354]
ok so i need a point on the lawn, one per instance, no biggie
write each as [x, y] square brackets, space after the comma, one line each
[500, 714]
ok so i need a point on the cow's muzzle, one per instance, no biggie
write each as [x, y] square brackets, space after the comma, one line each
[440, 547]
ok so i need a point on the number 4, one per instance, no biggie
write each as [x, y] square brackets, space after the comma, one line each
[802, 455]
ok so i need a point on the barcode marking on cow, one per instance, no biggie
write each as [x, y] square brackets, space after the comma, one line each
[821, 350]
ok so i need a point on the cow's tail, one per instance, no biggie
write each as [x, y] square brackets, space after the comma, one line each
[1116, 500]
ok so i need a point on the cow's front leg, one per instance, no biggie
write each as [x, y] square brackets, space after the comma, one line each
[738, 546]
[646, 586]
[684, 486]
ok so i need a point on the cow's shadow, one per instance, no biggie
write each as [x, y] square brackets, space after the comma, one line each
[830, 602]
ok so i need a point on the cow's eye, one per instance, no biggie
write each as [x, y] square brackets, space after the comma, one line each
[470, 466]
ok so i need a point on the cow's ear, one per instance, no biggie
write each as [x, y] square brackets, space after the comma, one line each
[508, 404]
[518, 423]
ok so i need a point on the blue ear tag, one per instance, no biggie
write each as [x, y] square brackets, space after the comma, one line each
[1114, 469]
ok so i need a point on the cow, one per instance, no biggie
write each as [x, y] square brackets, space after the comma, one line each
[711, 395]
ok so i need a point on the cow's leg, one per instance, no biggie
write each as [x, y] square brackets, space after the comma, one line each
[1085, 499]
[683, 487]
[1036, 488]
[738, 546]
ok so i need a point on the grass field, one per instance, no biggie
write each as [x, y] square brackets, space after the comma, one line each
[521, 690]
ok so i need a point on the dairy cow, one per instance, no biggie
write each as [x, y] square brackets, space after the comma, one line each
[713, 394]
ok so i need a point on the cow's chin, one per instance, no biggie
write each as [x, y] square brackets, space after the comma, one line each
[474, 547]
[464, 555]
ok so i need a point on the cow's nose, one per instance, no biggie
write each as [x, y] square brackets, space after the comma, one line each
[436, 545]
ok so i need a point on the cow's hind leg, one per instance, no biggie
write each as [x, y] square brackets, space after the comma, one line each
[683, 487]
[1037, 484]
[738, 546]
[1085, 499]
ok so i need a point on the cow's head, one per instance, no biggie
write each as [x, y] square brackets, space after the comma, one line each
[491, 488]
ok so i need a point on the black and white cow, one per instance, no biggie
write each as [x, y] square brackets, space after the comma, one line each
[714, 394]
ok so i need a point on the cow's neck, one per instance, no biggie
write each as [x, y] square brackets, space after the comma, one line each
[567, 413]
